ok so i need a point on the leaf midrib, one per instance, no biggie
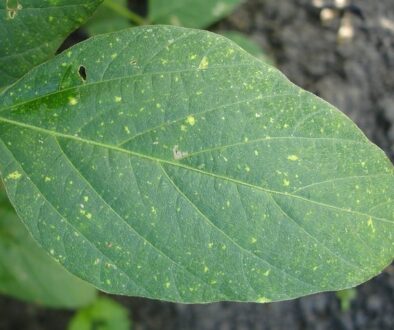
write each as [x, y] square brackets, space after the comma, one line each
[177, 164]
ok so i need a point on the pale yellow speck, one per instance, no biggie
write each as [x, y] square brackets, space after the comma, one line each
[247, 168]
[14, 175]
[206, 269]
[183, 128]
[167, 284]
[204, 63]
[254, 240]
[263, 300]
[72, 101]
[371, 225]
[293, 158]
[286, 182]
[47, 179]
[86, 198]
[267, 272]
[118, 99]
[127, 130]
[191, 120]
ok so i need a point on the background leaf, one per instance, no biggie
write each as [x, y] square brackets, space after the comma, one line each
[247, 44]
[106, 20]
[32, 30]
[190, 13]
[103, 314]
[28, 273]
[183, 168]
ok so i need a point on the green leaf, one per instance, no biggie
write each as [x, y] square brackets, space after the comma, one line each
[185, 169]
[28, 273]
[190, 13]
[32, 30]
[103, 314]
[247, 44]
[106, 20]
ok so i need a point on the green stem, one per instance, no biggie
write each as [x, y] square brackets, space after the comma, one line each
[125, 12]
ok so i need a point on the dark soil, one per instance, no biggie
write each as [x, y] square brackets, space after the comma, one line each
[358, 77]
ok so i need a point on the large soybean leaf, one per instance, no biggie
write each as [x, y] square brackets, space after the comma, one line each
[190, 13]
[28, 273]
[185, 169]
[32, 30]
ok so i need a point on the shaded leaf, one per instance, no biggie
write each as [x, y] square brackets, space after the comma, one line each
[185, 169]
[103, 314]
[190, 13]
[247, 44]
[32, 30]
[106, 20]
[28, 273]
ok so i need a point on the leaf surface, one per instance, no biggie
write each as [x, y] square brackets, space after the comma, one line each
[190, 13]
[28, 273]
[105, 312]
[182, 168]
[32, 30]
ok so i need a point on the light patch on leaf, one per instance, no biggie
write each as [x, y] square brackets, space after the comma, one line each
[204, 63]
[293, 158]
[220, 9]
[14, 175]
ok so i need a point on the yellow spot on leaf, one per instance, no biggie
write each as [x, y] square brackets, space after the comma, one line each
[14, 175]
[286, 182]
[191, 120]
[204, 63]
[72, 101]
[292, 158]
[206, 269]
[118, 99]
[47, 179]
[371, 225]
[263, 300]
[254, 240]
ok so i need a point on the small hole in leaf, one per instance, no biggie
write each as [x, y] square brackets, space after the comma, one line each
[82, 72]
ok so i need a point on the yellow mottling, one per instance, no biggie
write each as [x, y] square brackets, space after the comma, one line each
[371, 225]
[228, 203]
[158, 105]
[293, 158]
[210, 245]
[183, 128]
[193, 56]
[314, 268]
[118, 99]
[86, 198]
[206, 269]
[247, 168]
[127, 130]
[14, 175]
[47, 179]
[286, 182]
[254, 240]
[191, 120]
[267, 272]
[72, 101]
[263, 300]
[204, 63]
[114, 55]
[153, 210]
[256, 153]
[167, 284]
